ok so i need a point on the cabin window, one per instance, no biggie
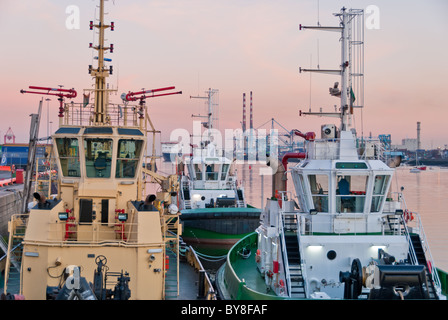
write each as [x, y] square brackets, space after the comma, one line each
[225, 169]
[98, 157]
[68, 150]
[379, 191]
[211, 171]
[198, 171]
[351, 193]
[304, 200]
[319, 191]
[128, 157]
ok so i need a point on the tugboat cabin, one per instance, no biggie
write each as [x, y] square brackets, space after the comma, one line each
[211, 181]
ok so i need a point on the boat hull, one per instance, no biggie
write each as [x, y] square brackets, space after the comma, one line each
[239, 279]
[214, 231]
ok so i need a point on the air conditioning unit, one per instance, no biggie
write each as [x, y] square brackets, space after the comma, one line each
[328, 131]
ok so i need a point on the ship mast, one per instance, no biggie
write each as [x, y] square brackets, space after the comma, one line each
[102, 72]
[211, 117]
[346, 71]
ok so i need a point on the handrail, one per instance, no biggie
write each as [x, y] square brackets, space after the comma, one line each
[426, 250]
[428, 255]
[192, 258]
[320, 149]
[385, 230]
[285, 255]
[286, 263]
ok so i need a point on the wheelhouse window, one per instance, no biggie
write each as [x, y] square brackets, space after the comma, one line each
[225, 169]
[211, 171]
[380, 187]
[351, 193]
[98, 157]
[319, 191]
[68, 150]
[128, 157]
[198, 170]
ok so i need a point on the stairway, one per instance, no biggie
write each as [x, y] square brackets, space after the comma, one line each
[240, 202]
[171, 277]
[421, 260]
[294, 263]
[186, 195]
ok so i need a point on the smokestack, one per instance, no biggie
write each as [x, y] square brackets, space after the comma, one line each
[251, 113]
[418, 136]
[244, 112]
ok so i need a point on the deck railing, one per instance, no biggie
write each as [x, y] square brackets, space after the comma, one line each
[116, 114]
[414, 224]
[331, 149]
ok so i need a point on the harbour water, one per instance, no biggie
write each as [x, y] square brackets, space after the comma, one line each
[425, 193]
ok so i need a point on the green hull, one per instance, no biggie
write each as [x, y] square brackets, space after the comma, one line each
[239, 279]
[209, 242]
[213, 231]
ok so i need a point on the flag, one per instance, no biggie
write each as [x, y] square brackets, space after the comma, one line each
[352, 95]
[86, 99]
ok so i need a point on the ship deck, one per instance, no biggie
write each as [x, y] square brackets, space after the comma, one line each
[188, 282]
[246, 270]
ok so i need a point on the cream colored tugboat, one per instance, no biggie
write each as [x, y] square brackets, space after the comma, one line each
[98, 238]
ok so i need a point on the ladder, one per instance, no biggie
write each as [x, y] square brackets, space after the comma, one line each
[240, 202]
[186, 194]
[171, 230]
[421, 260]
[294, 266]
[17, 225]
[171, 275]
[13, 250]
[4, 246]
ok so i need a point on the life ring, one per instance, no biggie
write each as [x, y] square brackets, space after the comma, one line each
[258, 256]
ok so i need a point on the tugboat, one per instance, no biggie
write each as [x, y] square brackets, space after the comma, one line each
[170, 150]
[100, 227]
[351, 238]
[215, 214]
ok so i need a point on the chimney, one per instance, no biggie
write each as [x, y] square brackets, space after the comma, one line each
[244, 112]
[251, 113]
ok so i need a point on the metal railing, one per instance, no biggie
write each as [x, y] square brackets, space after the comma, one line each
[116, 114]
[16, 228]
[285, 255]
[282, 215]
[205, 289]
[331, 149]
[388, 226]
[415, 224]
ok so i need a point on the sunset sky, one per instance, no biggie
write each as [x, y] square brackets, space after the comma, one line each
[234, 46]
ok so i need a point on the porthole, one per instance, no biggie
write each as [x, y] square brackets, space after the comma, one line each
[331, 255]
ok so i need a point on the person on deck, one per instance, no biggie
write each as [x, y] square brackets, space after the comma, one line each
[148, 205]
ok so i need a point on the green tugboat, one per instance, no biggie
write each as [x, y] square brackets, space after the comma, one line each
[215, 214]
[351, 238]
